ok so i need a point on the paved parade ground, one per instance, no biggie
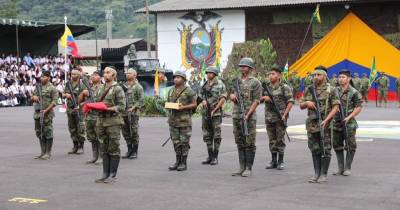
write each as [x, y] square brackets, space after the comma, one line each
[66, 182]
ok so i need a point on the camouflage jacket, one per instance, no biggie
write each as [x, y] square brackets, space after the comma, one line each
[185, 96]
[251, 92]
[295, 82]
[282, 95]
[349, 100]
[212, 94]
[334, 82]
[92, 115]
[383, 82]
[135, 97]
[115, 97]
[77, 89]
[357, 83]
[50, 96]
[308, 81]
[365, 84]
[327, 97]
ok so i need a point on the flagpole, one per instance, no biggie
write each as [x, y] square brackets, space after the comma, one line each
[305, 37]
[65, 52]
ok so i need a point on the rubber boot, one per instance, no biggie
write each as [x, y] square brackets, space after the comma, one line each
[42, 149]
[209, 158]
[106, 168]
[175, 165]
[95, 151]
[273, 163]
[340, 161]
[249, 162]
[324, 169]
[280, 166]
[317, 168]
[182, 166]
[214, 160]
[74, 148]
[49, 145]
[349, 161]
[100, 151]
[134, 151]
[80, 148]
[242, 162]
[129, 152]
[114, 163]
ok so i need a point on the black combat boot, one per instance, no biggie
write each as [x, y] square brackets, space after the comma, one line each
[317, 168]
[250, 153]
[49, 145]
[80, 148]
[114, 163]
[42, 149]
[95, 151]
[182, 166]
[74, 148]
[214, 160]
[273, 164]
[209, 158]
[242, 162]
[129, 152]
[106, 168]
[176, 164]
[100, 151]
[280, 166]
[324, 169]
[134, 151]
[340, 162]
[349, 161]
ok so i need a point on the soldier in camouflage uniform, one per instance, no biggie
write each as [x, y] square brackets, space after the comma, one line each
[365, 85]
[295, 82]
[109, 124]
[134, 96]
[356, 82]
[76, 125]
[329, 105]
[251, 93]
[334, 81]
[44, 102]
[275, 123]
[91, 117]
[180, 120]
[308, 81]
[383, 87]
[214, 96]
[351, 102]
[398, 89]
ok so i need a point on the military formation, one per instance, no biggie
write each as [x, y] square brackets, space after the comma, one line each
[332, 107]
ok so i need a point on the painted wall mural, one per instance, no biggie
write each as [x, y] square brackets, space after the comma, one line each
[200, 43]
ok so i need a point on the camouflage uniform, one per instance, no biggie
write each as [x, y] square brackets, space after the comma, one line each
[334, 82]
[212, 131]
[135, 99]
[90, 122]
[308, 81]
[383, 83]
[364, 87]
[282, 95]
[295, 82]
[349, 99]
[357, 82]
[328, 97]
[109, 128]
[251, 92]
[76, 125]
[49, 96]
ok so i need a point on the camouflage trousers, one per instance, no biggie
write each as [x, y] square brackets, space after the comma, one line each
[212, 132]
[339, 143]
[91, 130]
[364, 94]
[241, 141]
[315, 143]
[76, 127]
[47, 128]
[382, 93]
[180, 137]
[131, 135]
[276, 136]
[109, 137]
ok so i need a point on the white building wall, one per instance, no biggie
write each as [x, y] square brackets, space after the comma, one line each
[169, 49]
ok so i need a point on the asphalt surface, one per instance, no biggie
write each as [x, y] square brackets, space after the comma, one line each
[66, 182]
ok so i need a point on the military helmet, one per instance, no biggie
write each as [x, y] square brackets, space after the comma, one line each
[247, 62]
[212, 69]
[181, 74]
[356, 74]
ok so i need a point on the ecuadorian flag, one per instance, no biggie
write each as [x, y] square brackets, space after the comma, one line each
[67, 41]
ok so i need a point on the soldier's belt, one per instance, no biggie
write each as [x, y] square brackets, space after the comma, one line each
[108, 114]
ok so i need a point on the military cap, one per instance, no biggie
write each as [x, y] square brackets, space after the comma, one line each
[276, 68]
[345, 72]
